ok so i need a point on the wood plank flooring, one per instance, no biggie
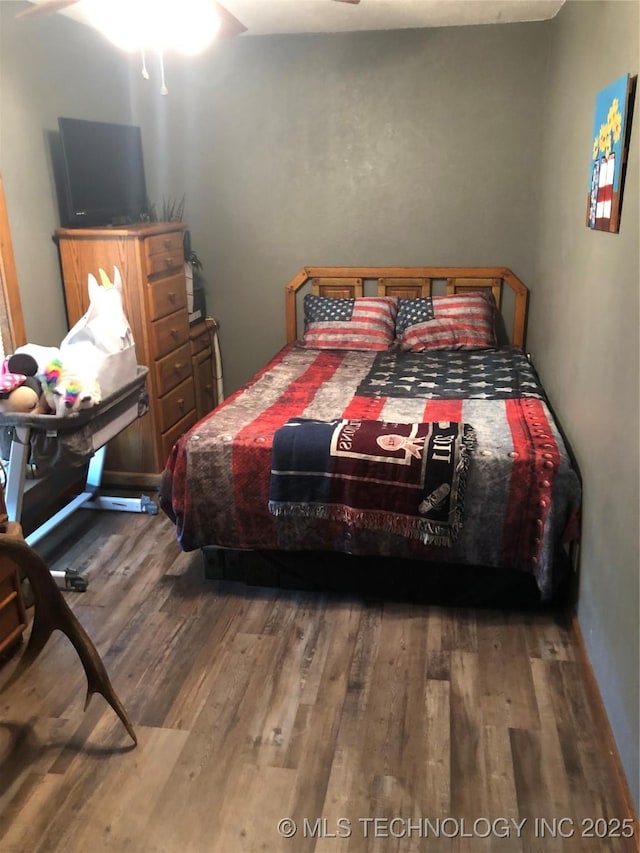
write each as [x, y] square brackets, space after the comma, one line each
[375, 726]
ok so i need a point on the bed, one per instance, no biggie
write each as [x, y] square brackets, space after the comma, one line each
[437, 362]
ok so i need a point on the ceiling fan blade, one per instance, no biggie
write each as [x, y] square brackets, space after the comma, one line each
[47, 8]
[354, 2]
[229, 24]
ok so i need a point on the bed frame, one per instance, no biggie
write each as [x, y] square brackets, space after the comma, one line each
[411, 282]
[338, 572]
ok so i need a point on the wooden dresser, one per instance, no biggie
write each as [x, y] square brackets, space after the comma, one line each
[181, 388]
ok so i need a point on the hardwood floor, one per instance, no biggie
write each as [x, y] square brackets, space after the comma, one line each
[374, 726]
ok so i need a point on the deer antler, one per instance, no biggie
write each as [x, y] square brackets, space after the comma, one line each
[52, 612]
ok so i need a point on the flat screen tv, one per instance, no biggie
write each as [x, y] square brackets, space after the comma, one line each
[103, 173]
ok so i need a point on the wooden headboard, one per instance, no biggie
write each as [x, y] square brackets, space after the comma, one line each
[406, 283]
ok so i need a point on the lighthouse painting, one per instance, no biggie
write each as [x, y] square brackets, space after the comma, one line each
[608, 156]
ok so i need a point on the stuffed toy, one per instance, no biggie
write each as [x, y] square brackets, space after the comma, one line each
[70, 382]
[68, 377]
[105, 335]
[96, 357]
[35, 380]
[42, 356]
[20, 388]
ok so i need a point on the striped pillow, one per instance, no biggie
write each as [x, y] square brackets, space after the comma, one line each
[462, 322]
[361, 323]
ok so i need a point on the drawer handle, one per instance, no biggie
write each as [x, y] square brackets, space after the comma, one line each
[168, 261]
[167, 243]
[178, 365]
[181, 403]
[171, 297]
[175, 332]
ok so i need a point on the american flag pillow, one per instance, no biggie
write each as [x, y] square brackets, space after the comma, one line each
[462, 322]
[361, 323]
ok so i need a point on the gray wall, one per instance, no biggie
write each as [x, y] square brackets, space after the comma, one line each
[466, 146]
[584, 330]
[48, 67]
[409, 147]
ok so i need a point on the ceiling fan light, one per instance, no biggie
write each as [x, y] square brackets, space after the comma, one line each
[119, 21]
[194, 25]
[187, 26]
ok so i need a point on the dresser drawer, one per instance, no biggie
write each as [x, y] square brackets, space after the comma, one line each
[176, 404]
[167, 295]
[199, 338]
[165, 264]
[160, 244]
[165, 253]
[172, 369]
[170, 437]
[169, 333]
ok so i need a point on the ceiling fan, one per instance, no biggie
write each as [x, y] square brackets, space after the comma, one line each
[146, 27]
[229, 24]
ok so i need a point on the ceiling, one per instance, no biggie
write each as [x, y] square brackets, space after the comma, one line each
[312, 16]
[265, 17]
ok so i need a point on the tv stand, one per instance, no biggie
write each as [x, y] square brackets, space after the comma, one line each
[124, 221]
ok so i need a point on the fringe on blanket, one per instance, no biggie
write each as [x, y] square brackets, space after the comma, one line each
[413, 527]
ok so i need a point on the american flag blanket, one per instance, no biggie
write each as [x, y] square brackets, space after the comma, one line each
[402, 478]
[522, 493]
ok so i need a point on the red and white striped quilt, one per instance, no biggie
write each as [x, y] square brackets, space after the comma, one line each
[522, 493]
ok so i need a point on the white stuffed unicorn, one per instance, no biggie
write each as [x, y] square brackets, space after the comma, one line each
[100, 345]
[96, 357]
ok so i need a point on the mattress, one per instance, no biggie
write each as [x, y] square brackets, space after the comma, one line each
[522, 495]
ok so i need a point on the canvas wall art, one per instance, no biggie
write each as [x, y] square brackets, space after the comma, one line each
[611, 130]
